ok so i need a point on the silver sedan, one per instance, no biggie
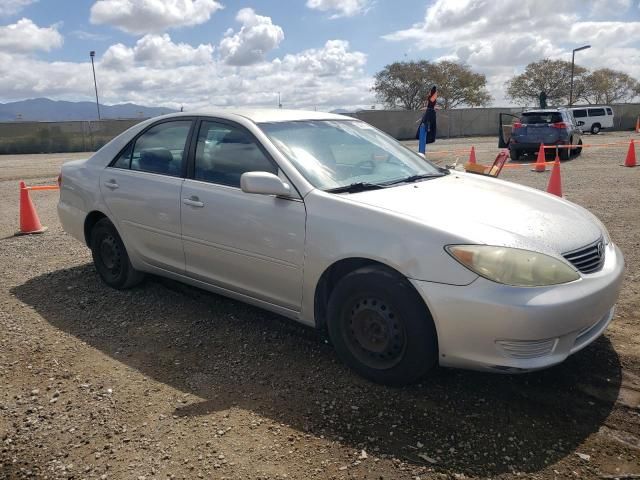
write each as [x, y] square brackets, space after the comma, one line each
[328, 221]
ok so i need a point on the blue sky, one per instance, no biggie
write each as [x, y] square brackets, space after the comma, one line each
[304, 28]
[318, 53]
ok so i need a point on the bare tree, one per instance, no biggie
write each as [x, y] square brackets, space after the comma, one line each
[407, 84]
[550, 76]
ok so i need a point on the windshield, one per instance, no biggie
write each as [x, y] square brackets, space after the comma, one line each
[332, 154]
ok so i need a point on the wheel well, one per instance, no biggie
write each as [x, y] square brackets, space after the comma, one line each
[330, 278]
[89, 222]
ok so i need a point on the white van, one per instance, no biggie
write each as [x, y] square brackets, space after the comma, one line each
[594, 118]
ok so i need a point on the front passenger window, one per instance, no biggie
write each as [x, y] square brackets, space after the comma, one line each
[225, 152]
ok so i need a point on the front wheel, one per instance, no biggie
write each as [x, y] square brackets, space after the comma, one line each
[595, 128]
[380, 327]
[110, 257]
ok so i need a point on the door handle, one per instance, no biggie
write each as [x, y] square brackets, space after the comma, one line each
[193, 202]
[112, 184]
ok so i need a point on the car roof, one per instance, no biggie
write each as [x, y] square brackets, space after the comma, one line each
[260, 115]
[582, 107]
[545, 110]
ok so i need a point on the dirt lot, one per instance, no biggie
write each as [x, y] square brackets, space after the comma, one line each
[166, 381]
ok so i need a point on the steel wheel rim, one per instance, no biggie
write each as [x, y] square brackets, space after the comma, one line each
[111, 256]
[375, 333]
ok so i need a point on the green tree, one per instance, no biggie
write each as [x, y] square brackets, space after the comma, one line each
[403, 84]
[550, 76]
[458, 85]
[609, 86]
[407, 84]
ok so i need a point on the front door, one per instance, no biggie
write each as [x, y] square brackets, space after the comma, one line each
[251, 244]
[142, 190]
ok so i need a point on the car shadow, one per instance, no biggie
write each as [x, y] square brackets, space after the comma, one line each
[231, 354]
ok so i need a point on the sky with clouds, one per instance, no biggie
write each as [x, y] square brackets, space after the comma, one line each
[317, 53]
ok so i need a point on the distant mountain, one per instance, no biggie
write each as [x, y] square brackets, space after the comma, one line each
[44, 109]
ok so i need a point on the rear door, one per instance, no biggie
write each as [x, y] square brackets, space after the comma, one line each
[541, 127]
[142, 187]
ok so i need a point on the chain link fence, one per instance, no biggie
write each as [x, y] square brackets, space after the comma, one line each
[54, 137]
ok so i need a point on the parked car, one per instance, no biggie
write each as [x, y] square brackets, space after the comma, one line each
[328, 221]
[550, 126]
[595, 118]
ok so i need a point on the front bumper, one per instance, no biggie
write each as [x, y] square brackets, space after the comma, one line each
[489, 326]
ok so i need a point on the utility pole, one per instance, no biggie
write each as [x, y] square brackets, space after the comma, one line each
[95, 84]
[279, 103]
[573, 58]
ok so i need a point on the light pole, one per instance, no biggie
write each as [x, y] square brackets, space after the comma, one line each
[573, 58]
[279, 103]
[95, 84]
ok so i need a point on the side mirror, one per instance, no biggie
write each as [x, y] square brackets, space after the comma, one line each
[264, 183]
[580, 123]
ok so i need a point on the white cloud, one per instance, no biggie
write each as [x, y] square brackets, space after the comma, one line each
[500, 37]
[82, 35]
[257, 36]
[334, 59]
[25, 36]
[343, 8]
[11, 7]
[152, 16]
[605, 33]
[156, 51]
[154, 72]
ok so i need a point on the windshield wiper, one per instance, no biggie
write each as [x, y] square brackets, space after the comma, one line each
[356, 187]
[415, 178]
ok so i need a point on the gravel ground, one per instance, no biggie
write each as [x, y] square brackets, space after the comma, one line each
[168, 381]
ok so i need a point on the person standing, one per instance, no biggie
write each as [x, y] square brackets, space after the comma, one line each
[429, 116]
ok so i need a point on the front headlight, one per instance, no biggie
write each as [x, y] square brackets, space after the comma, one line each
[513, 266]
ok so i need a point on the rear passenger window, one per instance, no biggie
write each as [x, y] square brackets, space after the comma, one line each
[158, 150]
[596, 112]
[579, 113]
[609, 111]
[225, 152]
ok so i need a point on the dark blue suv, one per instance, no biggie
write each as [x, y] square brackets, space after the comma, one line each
[549, 126]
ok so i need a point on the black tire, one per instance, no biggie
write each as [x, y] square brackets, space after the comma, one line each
[595, 128]
[110, 257]
[514, 154]
[565, 153]
[578, 149]
[381, 328]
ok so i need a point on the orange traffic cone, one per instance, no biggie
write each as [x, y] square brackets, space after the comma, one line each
[472, 155]
[555, 180]
[29, 221]
[630, 161]
[540, 166]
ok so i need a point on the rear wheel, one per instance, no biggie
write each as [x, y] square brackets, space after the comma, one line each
[514, 154]
[110, 257]
[565, 153]
[578, 149]
[380, 327]
[595, 128]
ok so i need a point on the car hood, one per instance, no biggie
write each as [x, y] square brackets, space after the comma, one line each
[490, 211]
